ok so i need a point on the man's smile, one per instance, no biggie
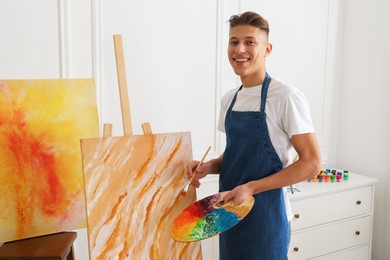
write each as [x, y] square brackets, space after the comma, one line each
[241, 59]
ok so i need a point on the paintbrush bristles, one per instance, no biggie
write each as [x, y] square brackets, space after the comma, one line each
[186, 188]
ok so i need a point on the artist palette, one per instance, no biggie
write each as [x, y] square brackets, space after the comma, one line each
[208, 217]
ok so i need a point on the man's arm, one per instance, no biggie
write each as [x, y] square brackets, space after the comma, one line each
[308, 165]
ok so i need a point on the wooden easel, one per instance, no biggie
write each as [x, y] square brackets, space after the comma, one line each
[123, 93]
[124, 188]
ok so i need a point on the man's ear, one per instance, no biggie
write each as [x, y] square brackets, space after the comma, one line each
[268, 50]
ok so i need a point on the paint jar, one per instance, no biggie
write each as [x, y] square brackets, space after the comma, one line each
[327, 177]
[332, 178]
[345, 175]
[338, 177]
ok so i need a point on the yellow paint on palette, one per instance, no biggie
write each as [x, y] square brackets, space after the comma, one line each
[133, 191]
[41, 124]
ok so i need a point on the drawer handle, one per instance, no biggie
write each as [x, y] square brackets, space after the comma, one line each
[296, 216]
[357, 233]
[358, 202]
[296, 249]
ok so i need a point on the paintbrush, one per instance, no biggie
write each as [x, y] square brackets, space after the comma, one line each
[185, 190]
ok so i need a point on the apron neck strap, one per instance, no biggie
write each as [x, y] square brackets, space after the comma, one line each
[264, 91]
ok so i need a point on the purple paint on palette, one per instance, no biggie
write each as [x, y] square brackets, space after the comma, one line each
[208, 203]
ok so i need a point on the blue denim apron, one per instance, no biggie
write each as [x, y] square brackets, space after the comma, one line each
[250, 155]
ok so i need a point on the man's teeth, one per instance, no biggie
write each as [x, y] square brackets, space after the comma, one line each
[241, 60]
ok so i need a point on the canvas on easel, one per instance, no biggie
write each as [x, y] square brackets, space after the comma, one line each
[41, 123]
[133, 186]
[133, 191]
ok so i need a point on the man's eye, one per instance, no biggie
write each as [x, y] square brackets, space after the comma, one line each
[233, 43]
[250, 42]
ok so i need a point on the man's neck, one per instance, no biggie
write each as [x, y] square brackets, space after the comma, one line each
[253, 80]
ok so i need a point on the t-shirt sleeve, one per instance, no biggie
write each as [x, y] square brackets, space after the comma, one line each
[296, 115]
[225, 103]
[221, 120]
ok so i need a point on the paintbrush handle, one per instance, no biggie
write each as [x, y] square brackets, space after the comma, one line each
[191, 179]
[204, 156]
[200, 163]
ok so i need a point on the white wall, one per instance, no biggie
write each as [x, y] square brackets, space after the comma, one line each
[363, 127]
[26, 37]
[177, 70]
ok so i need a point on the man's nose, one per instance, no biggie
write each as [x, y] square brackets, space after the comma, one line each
[240, 48]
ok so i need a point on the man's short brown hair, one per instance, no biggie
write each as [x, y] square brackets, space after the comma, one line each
[249, 18]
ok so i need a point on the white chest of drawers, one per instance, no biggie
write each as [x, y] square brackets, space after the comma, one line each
[332, 221]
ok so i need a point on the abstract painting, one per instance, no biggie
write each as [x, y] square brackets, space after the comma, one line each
[133, 192]
[41, 124]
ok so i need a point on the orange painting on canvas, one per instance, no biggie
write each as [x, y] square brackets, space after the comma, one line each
[133, 191]
[41, 123]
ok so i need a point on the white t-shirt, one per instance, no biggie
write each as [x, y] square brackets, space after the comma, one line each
[287, 114]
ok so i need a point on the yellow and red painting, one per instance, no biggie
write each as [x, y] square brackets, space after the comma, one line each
[41, 178]
[133, 191]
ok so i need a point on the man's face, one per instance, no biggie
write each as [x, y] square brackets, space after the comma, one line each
[248, 47]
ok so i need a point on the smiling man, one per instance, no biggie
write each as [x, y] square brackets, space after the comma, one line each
[267, 123]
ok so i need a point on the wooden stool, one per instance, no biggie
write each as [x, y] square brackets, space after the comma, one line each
[49, 247]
